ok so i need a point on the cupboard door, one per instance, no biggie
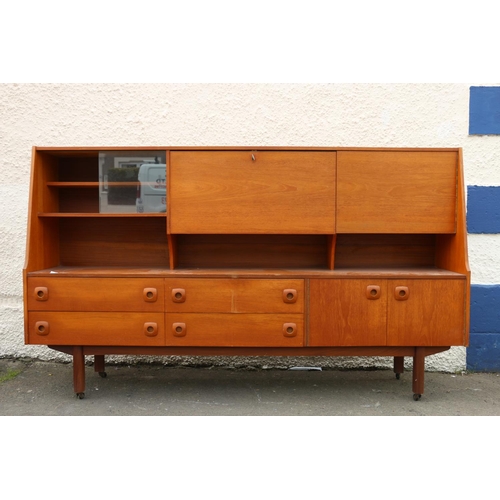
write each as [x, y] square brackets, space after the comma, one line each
[426, 312]
[245, 192]
[347, 312]
[396, 191]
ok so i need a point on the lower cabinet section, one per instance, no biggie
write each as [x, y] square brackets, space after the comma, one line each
[235, 330]
[96, 328]
[227, 312]
[391, 312]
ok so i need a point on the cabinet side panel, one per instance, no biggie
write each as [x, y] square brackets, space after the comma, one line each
[451, 249]
[42, 245]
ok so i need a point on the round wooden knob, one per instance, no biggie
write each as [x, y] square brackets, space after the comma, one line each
[150, 294]
[42, 328]
[41, 293]
[289, 329]
[178, 295]
[372, 292]
[401, 293]
[179, 329]
[151, 329]
[290, 295]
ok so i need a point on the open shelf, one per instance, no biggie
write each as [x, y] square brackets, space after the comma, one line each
[251, 251]
[385, 251]
[99, 215]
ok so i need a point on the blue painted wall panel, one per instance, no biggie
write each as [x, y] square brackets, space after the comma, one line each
[483, 353]
[485, 309]
[484, 111]
[483, 209]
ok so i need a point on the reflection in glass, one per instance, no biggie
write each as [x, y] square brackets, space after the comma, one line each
[132, 182]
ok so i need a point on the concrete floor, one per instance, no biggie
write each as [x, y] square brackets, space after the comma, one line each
[29, 387]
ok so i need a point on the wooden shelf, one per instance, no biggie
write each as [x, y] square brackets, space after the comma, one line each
[76, 184]
[98, 215]
[131, 271]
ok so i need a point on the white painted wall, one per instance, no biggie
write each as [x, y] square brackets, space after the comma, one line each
[396, 115]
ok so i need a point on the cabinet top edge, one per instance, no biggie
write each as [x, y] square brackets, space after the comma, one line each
[56, 149]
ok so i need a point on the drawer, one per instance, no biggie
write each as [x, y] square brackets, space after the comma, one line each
[235, 330]
[245, 192]
[95, 294]
[96, 328]
[234, 295]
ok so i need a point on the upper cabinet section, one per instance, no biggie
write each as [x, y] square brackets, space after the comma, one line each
[252, 192]
[396, 191]
[77, 182]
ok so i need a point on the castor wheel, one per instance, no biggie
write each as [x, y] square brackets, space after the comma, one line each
[398, 376]
[80, 395]
[103, 374]
[416, 397]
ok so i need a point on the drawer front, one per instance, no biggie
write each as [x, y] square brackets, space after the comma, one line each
[95, 294]
[245, 192]
[96, 328]
[234, 295]
[235, 330]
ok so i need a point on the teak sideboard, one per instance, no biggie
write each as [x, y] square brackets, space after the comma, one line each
[256, 251]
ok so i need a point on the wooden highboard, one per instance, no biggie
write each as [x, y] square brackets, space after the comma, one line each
[247, 251]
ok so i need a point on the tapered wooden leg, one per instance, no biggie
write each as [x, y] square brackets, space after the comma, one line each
[418, 372]
[79, 371]
[399, 365]
[99, 365]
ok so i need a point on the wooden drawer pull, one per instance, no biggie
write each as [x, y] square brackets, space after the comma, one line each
[179, 329]
[289, 329]
[401, 293]
[289, 296]
[150, 294]
[151, 329]
[41, 293]
[42, 327]
[373, 292]
[178, 295]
